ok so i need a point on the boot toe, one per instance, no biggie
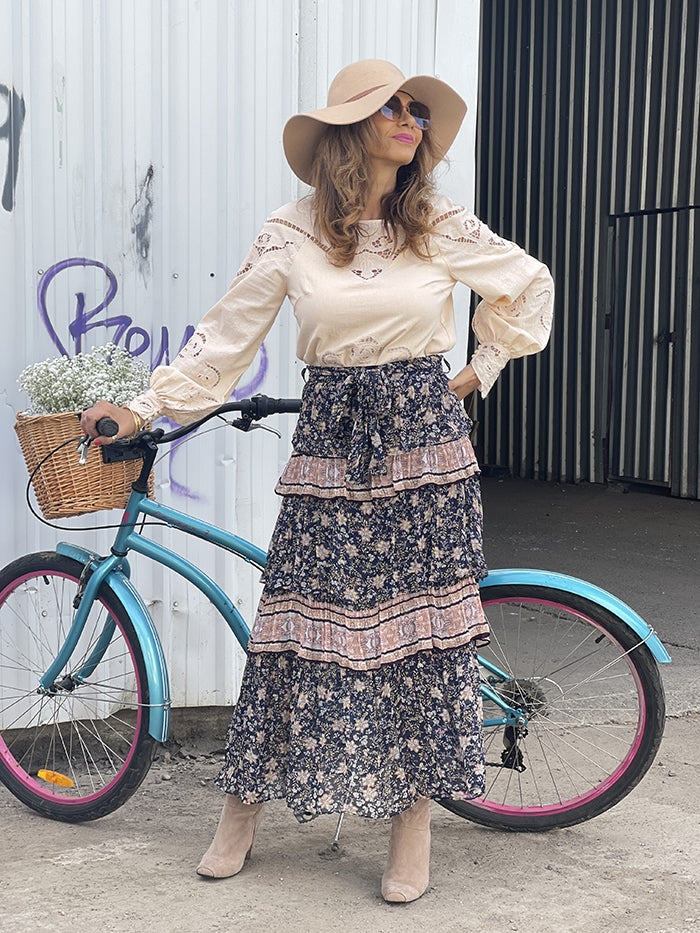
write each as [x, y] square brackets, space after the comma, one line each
[397, 893]
[212, 867]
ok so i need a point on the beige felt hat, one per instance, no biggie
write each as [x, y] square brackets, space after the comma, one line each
[358, 91]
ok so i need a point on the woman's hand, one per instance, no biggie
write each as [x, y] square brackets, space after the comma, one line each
[123, 417]
[464, 382]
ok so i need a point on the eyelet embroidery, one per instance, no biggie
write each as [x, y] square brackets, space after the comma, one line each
[382, 247]
[363, 353]
[473, 228]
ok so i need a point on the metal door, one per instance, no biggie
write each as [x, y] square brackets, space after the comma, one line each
[655, 354]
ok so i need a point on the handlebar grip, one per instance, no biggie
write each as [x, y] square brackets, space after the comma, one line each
[260, 406]
[288, 405]
[107, 427]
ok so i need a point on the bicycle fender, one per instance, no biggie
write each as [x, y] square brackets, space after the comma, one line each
[567, 584]
[156, 670]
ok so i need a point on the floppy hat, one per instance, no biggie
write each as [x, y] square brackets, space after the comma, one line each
[358, 91]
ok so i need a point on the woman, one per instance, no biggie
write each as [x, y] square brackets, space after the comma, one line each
[361, 692]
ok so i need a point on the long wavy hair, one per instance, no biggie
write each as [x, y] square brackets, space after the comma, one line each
[340, 178]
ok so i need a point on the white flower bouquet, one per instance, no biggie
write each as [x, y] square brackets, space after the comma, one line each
[48, 432]
[63, 383]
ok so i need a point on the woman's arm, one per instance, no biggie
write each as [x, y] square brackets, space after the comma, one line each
[224, 344]
[514, 318]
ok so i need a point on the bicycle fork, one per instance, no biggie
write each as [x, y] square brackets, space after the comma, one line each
[113, 572]
[90, 582]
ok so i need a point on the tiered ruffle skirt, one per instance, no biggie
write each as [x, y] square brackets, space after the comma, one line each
[361, 691]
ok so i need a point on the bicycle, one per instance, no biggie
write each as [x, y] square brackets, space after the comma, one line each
[572, 696]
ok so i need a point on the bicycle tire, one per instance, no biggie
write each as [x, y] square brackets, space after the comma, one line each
[595, 704]
[80, 751]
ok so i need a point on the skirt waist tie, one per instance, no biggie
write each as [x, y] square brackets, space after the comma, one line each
[370, 399]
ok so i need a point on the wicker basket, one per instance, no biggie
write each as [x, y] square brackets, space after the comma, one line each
[62, 486]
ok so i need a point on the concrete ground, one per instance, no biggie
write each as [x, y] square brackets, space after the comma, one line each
[633, 869]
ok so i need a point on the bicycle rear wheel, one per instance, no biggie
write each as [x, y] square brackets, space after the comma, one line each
[79, 750]
[593, 702]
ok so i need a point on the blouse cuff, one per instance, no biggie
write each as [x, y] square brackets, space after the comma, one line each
[146, 406]
[487, 362]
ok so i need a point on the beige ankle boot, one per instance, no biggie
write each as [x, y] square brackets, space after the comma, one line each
[233, 841]
[407, 869]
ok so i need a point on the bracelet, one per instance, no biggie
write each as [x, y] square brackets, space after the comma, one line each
[138, 421]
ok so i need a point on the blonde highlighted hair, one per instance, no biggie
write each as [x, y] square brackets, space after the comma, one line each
[340, 178]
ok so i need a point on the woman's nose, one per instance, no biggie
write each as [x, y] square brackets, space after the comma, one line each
[407, 117]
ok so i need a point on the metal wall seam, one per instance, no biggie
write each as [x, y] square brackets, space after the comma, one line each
[689, 475]
[599, 363]
[585, 335]
[694, 122]
[658, 178]
[627, 154]
[646, 85]
[675, 324]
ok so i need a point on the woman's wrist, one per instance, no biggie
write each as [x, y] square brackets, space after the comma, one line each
[138, 420]
[465, 382]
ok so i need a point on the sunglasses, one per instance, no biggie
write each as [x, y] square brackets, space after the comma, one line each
[393, 110]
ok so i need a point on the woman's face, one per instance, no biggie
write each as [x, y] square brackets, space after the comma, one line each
[395, 142]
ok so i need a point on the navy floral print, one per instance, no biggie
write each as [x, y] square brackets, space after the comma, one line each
[328, 739]
[361, 691]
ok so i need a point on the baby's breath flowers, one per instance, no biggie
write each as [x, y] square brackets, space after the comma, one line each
[65, 383]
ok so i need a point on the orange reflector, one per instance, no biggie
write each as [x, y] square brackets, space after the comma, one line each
[54, 777]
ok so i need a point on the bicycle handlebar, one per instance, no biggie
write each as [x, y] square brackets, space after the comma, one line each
[260, 406]
[250, 409]
[145, 444]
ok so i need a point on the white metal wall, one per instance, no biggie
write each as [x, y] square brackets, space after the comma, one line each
[141, 138]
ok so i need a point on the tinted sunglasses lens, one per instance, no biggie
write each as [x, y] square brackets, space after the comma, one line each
[392, 109]
[420, 113]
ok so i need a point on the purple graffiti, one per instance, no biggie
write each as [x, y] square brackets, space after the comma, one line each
[134, 339]
[137, 340]
[11, 130]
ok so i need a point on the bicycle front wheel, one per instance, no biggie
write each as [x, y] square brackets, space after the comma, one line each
[79, 749]
[592, 704]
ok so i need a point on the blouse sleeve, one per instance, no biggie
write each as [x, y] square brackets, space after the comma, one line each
[514, 317]
[225, 342]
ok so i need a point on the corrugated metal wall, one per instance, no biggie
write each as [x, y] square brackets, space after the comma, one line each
[140, 143]
[587, 154]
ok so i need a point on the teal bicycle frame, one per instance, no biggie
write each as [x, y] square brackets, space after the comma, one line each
[113, 571]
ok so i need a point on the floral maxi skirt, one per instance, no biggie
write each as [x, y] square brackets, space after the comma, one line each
[361, 690]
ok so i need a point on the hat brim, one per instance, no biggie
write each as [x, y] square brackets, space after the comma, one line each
[303, 131]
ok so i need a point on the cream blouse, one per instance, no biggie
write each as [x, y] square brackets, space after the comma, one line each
[384, 306]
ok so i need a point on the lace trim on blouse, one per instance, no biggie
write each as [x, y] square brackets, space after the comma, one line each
[488, 362]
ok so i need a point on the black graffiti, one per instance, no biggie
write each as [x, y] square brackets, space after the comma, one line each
[11, 130]
[141, 220]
